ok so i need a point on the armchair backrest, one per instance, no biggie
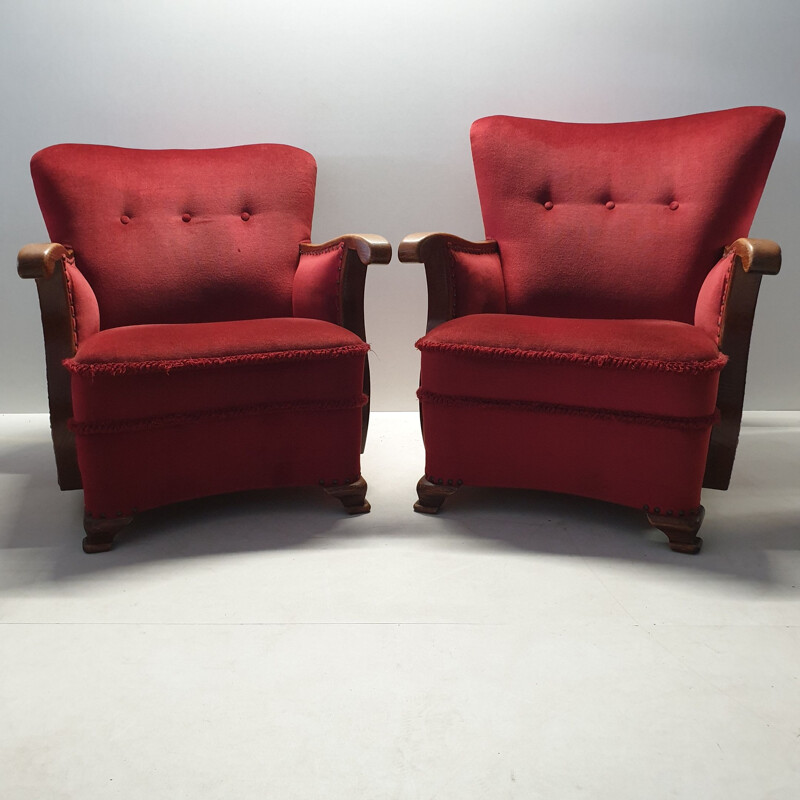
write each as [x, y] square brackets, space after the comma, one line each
[619, 220]
[166, 236]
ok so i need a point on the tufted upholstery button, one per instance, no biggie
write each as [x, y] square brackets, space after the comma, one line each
[673, 206]
[124, 219]
[186, 217]
[610, 204]
[245, 216]
[548, 205]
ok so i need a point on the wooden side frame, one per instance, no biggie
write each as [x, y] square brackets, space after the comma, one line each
[432, 250]
[45, 264]
[361, 250]
[753, 258]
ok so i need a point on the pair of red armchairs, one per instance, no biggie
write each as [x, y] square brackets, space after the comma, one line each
[595, 343]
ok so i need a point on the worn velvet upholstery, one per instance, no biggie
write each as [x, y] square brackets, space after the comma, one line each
[201, 367]
[619, 220]
[596, 372]
[180, 235]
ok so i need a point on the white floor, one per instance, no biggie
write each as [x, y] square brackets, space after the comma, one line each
[519, 645]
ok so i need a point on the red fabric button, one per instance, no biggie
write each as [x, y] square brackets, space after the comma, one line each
[548, 205]
[245, 216]
[673, 206]
[610, 204]
[124, 219]
[186, 217]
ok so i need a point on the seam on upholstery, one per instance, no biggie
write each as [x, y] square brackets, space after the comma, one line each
[606, 360]
[723, 301]
[69, 261]
[453, 309]
[658, 420]
[178, 364]
[339, 317]
[175, 420]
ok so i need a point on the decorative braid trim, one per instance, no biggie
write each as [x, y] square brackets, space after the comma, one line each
[723, 300]
[69, 263]
[175, 420]
[339, 246]
[605, 360]
[658, 420]
[170, 365]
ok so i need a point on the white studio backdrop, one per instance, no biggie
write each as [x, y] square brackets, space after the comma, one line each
[383, 94]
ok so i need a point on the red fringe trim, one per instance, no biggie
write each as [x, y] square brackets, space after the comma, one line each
[173, 420]
[724, 298]
[606, 360]
[170, 365]
[686, 423]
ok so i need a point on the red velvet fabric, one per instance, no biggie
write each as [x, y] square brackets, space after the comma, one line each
[140, 468]
[477, 282]
[179, 236]
[618, 410]
[83, 303]
[608, 459]
[315, 292]
[164, 413]
[653, 368]
[619, 220]
[712, 298]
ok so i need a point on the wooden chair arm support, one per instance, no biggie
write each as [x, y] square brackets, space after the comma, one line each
[45, 263]
[418, 248]
[754, 258]
[757, 255]
[371, 248]
[39, 260]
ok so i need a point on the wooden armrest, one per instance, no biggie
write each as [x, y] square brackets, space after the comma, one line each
[754, 258]
[416, 248]
[39, 260]
[371, 248]
[46, 263]
[757, 255]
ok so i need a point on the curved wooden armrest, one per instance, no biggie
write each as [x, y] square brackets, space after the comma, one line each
[371, 248]
[417, 248]
[39, 260]
[45, 263]
[757, 255]
[754, 258]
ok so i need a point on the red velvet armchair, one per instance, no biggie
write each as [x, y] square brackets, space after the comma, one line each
[596, 343]
[196, 342]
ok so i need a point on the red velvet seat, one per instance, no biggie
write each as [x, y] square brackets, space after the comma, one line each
[593, 341]
[196, 342]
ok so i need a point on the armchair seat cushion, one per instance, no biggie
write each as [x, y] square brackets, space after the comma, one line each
[154, 375]
[650, 371]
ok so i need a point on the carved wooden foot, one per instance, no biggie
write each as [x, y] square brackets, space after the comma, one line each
[100, 533]
[353, 496]
[681, 531]
[432, 495]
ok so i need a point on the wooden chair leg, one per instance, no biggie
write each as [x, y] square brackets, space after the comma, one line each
[432, 495]
[353, 496]
[100, 532]
[681, 531]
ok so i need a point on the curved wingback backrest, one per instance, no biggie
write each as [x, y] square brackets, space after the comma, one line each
[166, 236]
[619, 220]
